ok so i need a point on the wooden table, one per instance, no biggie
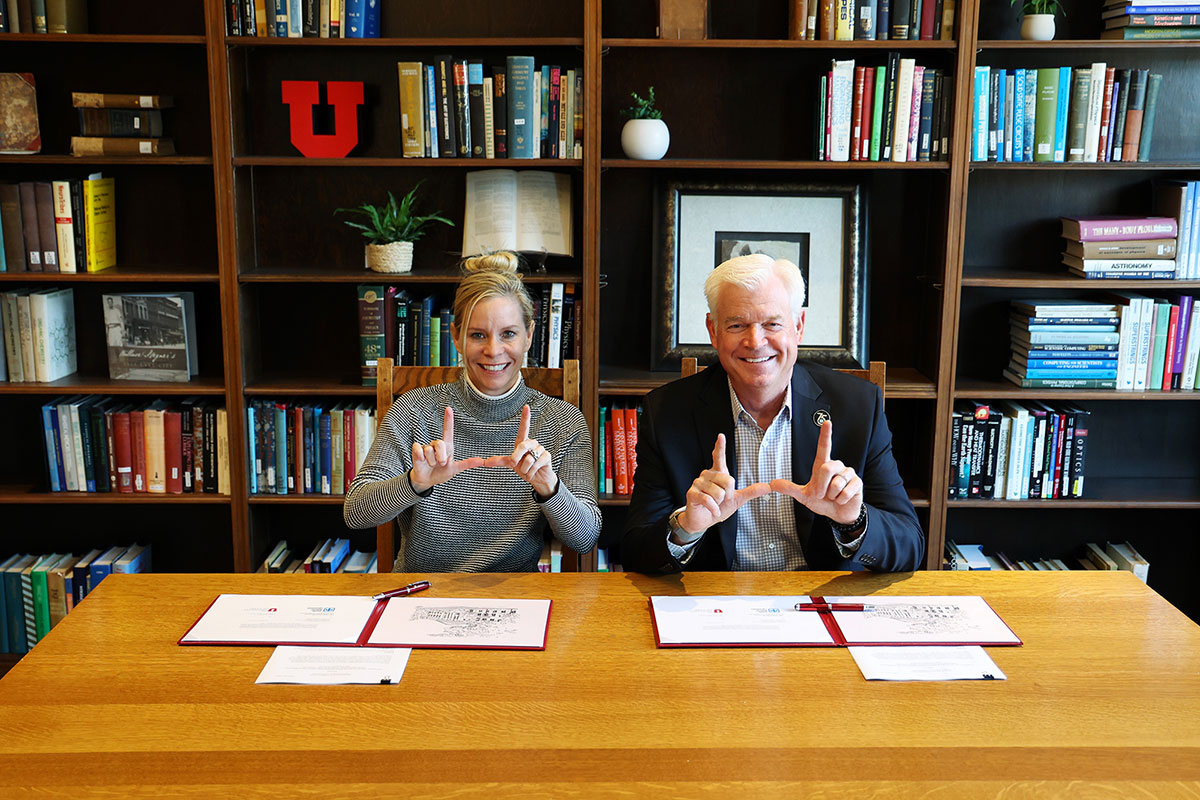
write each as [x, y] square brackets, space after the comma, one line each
[1103, 698]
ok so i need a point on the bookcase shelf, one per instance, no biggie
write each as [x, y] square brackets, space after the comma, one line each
[296, 386]
[296, 499]
[1130, 493]
[49, 159]
[31, 495]
[95, 384]
[100, 38]
[1058, 45]
[124, 274]
[423, 163]
[777, 44]
[1109, 166]
[1015, 278]
[749, 164]
[422, 42]
[978, 389]
[331, 275]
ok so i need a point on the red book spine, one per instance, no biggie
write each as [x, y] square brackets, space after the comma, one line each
[927, 9]
[620, 452]
[868, 105]
[123, 447]
[298, 448]
[137, 446]
[631, 443]
[1060, 441]
[610, 454]
[112, 456]
[348, 445]
[829, 115]
[173, 447]
[1172, 331]
[856, 117]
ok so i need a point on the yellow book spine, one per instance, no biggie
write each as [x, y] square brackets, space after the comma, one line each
[100, 215]
[156, 454]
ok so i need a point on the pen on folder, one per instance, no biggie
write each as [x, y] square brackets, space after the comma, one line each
[834, 607]
[412, 588]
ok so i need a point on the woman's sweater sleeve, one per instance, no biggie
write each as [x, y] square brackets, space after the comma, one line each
[381, 489]
[572, 512]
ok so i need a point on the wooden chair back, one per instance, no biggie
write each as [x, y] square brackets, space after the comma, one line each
[391, 380]
[876, 372]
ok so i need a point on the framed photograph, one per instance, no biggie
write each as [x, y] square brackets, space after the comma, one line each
[821, 228]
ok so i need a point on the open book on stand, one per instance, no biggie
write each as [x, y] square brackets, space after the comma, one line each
[524, 210]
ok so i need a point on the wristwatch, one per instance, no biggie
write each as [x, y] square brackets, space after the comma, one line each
[858, 523]
[676, 530]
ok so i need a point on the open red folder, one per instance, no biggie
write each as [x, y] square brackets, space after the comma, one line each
[352, 621]
[803, 621]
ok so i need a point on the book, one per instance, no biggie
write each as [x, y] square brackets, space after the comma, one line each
[20, 132]
[1152, 90]
[111, 100]
[64, 226]
[525, 210]
[1113, 228]
[1123, 249]
[66, 16]
[1135, 109]
[1152, 33]
[11, 228]
[151, 336]
[120, 122]
[100, 222]
[1119, 264]
[121, 146]
[1129, 559]
[412, 104]
[53, 316]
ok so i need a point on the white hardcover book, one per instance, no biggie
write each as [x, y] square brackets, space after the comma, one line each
[1018, 449]
[489, 120]
[364, 434]
[57, 315]
[554, 327]
[1128, 559]
[1141, 368]
[64, 226]
[1131, 320]
[67, 443]
[900, 128]
[77, 442]
[914, 111]
[1091, 140]
[842, 100]
[1192, 354]
[1002, 456]
[1193, 263]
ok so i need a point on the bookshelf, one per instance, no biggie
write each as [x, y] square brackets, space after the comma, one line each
[242, 220]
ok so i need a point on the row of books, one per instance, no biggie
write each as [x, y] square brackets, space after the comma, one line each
[325, 19]
[37, 329]
[1121, 247]
[1176, 199]
[39, 590]
[897, 112]
[551, 558]
[461, 108]
[1133, 343]
[112, 124]
[871, 20]
[617, 445]
[106, 444]
[39, 16]
[330, 555]
[305, 448]
[1017, 451]
[1092, 113]
[1110, 556]
[1139, 19]
[58, 226]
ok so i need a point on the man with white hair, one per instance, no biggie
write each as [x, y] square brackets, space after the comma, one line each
[761, 463]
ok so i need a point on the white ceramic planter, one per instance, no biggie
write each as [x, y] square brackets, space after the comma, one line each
[645, 139]
[392, 257]
[1037, 27]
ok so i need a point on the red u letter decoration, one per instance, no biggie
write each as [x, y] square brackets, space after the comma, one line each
[344, 96]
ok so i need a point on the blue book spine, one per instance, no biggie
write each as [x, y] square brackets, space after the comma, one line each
[309, 451]
[281, 448]
[1192, 269]
[520, 107]
[49, 413]
[316, 437]
[97, 573]
[3, 268]
[1018, 123]
[371, 20]
[1001, 94]
[337, 554]
[252, 472]
[326, 428]
[1080, 328]
[431, 148]
[4, 611]
[982, 83]
[1089, 355]
[1129, 10]
[16, 614]
[281, 18]
[1060, 122]
[1030, 112]
[1140, 274]
[355, 13]
[1070, 373]
[426, 313]
[1071, 363]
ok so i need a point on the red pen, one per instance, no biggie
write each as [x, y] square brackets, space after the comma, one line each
[834, 607]
[412, 588]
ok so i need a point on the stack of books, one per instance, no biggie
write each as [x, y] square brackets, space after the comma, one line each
[1110, 556]
[1063, 344]
[1144, 19]
[1119, 247]
[121, 124]
[329, 555]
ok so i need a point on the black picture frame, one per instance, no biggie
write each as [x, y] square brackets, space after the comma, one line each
[819, 227]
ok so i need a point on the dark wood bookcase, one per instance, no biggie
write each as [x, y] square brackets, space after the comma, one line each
[243, 220]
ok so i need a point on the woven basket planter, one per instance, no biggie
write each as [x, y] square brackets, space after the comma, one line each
[392, 257]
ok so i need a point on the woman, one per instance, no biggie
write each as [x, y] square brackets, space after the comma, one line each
[444, 460]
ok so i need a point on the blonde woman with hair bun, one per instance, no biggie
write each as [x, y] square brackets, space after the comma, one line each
[473, 471]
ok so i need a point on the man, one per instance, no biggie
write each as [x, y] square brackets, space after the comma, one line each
[763, 464]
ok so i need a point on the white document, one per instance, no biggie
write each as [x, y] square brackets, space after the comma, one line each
[463, 622]
[732, 620]
[335, 665]
[282, 619]
[956, 619]
[932, 663]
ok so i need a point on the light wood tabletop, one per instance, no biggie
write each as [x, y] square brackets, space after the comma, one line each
[1103, 699]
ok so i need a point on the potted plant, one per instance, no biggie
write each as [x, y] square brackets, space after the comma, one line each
[391, 229]
[1037, 20]
[645, 135]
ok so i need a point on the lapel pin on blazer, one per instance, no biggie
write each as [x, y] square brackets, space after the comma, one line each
[820, 417]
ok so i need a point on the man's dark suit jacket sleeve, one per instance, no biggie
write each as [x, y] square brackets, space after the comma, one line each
[677, 431]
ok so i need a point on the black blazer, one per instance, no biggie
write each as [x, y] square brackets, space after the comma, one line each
[676, 434]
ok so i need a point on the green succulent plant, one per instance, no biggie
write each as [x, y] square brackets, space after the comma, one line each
[1039, 6]
[642, 108]
[393, 221]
